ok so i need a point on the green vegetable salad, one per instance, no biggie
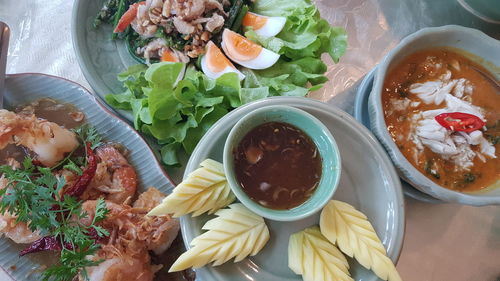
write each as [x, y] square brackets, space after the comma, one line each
[176, 103]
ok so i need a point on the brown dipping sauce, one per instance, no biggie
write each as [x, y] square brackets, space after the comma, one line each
[277, 165]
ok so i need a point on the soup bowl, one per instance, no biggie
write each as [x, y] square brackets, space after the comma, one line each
[479, 48]
[320, 136]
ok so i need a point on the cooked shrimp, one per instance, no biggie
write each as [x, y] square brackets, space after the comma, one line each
[163, 229]
[131, 230]
[18, 232]
[121, 267]
[115, 178]
[47, 140]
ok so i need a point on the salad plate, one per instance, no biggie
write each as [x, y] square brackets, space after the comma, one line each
[189, 80]
[22, 89]
[368, 181]
[100, 57]
[361, 114]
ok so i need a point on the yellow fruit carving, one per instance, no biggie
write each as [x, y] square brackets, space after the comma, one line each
[351, 231]
[311, 255]
[204, 190]
[236, 232]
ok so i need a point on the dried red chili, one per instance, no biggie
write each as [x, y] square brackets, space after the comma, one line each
[460, 122]
[94, 235]
[48, 243]
[81, 184]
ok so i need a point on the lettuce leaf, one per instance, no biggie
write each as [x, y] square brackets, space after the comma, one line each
[287, 78]
[176, 104]
[305, 33]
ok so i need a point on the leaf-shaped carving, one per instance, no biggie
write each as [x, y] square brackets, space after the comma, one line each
[350, 229]
[204, 190]
[236, 232]
[310, 254]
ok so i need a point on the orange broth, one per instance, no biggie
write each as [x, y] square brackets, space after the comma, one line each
[416, 69]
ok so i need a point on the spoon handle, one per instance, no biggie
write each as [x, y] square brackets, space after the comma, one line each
[4, 45]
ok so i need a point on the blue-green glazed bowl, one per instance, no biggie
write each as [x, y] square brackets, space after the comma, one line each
[318, 133]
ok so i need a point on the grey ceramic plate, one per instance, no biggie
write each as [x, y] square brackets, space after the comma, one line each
[368, 181]
[25, 88]
[100, 58]
[361, 114]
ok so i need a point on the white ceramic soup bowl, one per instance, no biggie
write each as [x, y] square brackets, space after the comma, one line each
[470, 40]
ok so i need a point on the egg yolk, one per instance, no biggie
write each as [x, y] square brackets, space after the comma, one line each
[168, 56]
[254, 20]
[217, 62]
[239, 47]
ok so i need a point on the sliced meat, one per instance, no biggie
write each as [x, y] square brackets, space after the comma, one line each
[215, 22]
[183, 27]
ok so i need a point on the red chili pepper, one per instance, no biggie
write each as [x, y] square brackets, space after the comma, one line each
[460, 122]
[81, 184]
[48, 243]
[98, 239]
[128, 17]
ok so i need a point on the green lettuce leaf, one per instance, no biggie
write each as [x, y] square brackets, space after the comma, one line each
[287, 78]
[305, 33]
[176, 104]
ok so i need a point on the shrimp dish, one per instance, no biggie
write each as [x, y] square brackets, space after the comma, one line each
[67, 191]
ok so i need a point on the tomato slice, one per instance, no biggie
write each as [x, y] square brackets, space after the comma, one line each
[460, 122]
[128, 17]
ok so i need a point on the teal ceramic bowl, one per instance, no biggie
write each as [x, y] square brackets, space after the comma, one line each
[319, 134]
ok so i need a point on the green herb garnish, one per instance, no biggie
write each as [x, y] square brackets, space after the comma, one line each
[469, 177]
[428, 169]
[35, 196]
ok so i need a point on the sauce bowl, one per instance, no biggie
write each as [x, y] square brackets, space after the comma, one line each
[319, 134]
[478, 47]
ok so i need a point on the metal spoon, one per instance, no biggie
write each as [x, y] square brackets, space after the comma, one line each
[4, 45]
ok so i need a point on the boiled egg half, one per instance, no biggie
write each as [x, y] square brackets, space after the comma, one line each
[262, 25]
[245, 52]
[214, 63]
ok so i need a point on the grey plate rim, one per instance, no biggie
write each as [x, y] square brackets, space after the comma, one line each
[105, 108]
[84, 61]
[361, 114]
[81, 93]
[378, 149]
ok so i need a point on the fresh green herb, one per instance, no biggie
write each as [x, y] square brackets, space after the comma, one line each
[239, 19]
[72, 263]
[496, 125]
[429, 169]
[87, 133]
[233, 13]
[492, 138]
[106, 13]
[33, 194]
[469, 177]
[120, 10]
[72, 166]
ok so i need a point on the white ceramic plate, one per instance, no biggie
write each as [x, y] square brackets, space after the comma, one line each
[25, 88]
[368, 181]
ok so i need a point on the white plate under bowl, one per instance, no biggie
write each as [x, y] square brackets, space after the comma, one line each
[368, 181]
[25, 88]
